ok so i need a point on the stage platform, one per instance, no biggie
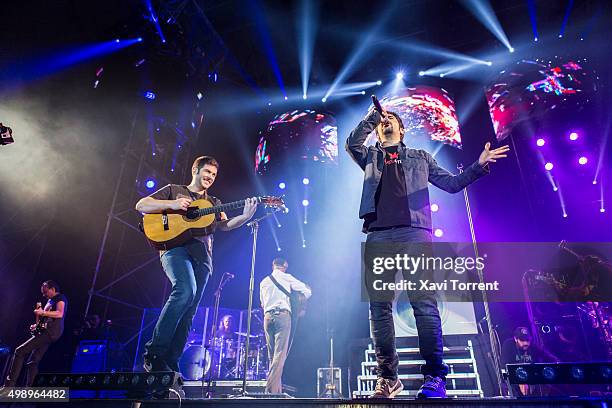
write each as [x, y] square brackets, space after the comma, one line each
[338, 403]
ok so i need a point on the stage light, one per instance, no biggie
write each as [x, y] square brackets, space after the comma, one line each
[399, 75]
[602, 210]
[269, 103]
[434, 207]
[421, 73]
[549, 373]
[324, 100]
[282, 185]
[521, 374]
[548, 166]
[594, 182]
[511, 49]
[555, 188]
[363, 92]
[305, 222]
[583, 160]
[278, 249]
[306, 181]
[489, 63]
[606, 372]
[305, 203]
[535, 39]
[150, 184]
[378, 82]
[573, 136]
[149, 95]
[577, 373]
[564, 215]
[304, 96]
[117, 40]
[199, 96]
[541, 142]
[303, 244]
[438, 232]
[286, 98]
[560, 35]
[139, 39]
[442, 75]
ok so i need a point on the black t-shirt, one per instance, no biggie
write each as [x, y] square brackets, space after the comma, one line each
[391, 197]
[55, 327]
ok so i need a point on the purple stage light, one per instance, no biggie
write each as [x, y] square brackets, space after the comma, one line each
[541, 142]
[583, 160]
[548, 166]
[438, 232]
[602, 210]
[573, 136]
[434, 207]
[149, 95]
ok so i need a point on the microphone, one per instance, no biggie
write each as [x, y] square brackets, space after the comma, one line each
[377, 104]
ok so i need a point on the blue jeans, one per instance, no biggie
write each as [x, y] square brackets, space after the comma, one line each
[188, 268]
[426, 314]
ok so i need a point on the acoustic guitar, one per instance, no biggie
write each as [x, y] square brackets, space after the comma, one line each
[173, 228]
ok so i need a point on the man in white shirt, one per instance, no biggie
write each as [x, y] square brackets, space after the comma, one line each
[277, 318]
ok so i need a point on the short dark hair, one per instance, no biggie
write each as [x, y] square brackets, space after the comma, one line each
[279, 262]
[202, 161]
[51, 285]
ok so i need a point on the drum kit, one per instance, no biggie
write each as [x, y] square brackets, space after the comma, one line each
[222, 358]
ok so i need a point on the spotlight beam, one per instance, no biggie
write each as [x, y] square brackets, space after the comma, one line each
[357, 56]
[307, 25]
[155, 21]
[267, 43]
[533, 17]
[429, 49]
[482, 10]
[568, 10]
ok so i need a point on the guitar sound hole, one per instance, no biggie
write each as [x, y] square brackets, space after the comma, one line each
[192, 213]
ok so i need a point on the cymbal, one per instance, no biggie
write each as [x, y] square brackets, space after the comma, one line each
[243, 334]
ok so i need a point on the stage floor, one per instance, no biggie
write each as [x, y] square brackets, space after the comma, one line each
[339, 403]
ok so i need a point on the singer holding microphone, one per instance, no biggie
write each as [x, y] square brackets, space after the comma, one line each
[188, 266]
[395, 209]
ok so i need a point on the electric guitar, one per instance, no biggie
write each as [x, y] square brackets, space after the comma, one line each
[40, 325]
[173, 228]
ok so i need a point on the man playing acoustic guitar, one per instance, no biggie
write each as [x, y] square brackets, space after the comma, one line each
[187, 266]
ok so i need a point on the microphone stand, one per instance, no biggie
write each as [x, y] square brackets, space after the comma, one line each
[254, 225]
[213, 334]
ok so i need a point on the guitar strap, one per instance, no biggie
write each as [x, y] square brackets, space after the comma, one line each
[294, 317]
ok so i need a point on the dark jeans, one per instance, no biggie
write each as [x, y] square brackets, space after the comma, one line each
[37, 346]
[426, 314]
[188, 268]
[277, 326]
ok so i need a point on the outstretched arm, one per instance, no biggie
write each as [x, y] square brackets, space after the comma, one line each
[451, 183]
[249, 209]
[354, 143]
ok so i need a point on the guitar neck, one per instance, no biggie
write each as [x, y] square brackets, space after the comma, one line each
[222, 208]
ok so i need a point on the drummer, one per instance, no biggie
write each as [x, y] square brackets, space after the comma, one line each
[226, 327]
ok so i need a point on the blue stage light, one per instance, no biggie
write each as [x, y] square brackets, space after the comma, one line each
[139, 39]
[421, 73]
[305, 203]
[379, 82]
[549, 373]
[324, 100]
[117, 40]
[304, 96]
[521, 374]
[282, 185]
[399, 75]
[149, 95]
[306, 181]
[577, 372]
[511, 49]
[286, 98]
[199, 96]
[150, 184]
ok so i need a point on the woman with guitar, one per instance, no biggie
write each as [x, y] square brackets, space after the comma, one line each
[180, 220]
[48, 328]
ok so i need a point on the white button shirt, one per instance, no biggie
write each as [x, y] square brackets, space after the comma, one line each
[272, 297]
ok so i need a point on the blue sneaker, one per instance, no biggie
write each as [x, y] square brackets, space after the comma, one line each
[433, 387]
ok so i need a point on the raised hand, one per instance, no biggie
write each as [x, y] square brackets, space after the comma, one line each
[491, 156]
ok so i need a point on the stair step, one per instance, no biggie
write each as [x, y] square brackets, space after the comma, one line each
[452, 376]
[407, 363]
